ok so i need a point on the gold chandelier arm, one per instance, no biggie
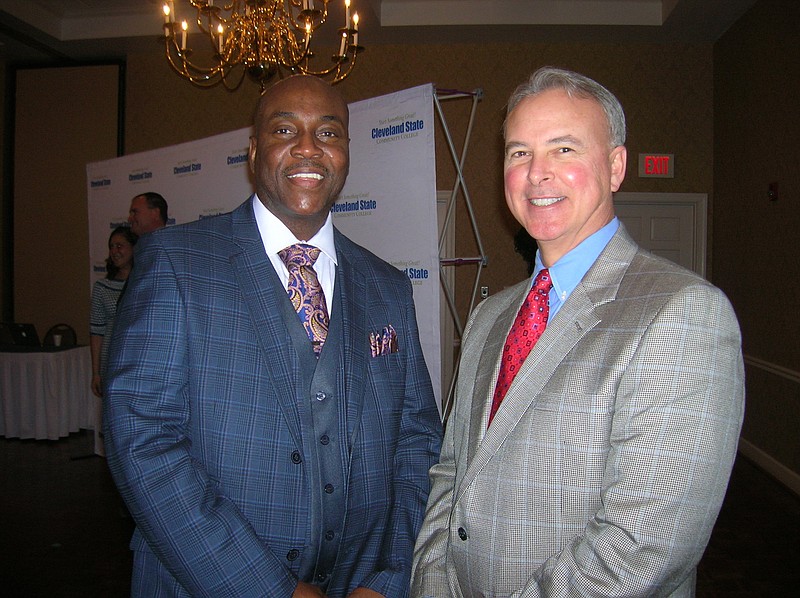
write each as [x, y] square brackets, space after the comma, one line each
[256, 37]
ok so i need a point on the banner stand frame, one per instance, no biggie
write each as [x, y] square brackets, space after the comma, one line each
[458, 157]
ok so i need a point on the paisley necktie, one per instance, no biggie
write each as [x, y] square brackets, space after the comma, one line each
[305, 291]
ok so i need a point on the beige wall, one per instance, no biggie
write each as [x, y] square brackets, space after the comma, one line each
[727, 113]
[757, 136]
[64, 118]
[666, 91]
[5, 210]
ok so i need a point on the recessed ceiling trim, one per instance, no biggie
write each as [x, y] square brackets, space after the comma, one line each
[33, 14]
[521, 12]
[112, 26]
[108, 27]
[69, 21]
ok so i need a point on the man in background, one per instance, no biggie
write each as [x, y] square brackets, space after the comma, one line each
[262, 445]
[148, 212]
[598, 404]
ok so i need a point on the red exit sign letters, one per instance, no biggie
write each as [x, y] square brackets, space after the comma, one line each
[661, 166]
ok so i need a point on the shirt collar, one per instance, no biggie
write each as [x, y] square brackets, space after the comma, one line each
[567, 272]
[276, 236]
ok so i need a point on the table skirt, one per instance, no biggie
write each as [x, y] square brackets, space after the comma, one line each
[47, 395]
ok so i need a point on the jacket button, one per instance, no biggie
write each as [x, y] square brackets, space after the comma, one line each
[320, 396]
[324, 439]
[462, 533]
[329, 488]
[296, 458]
[292, 554]
[330, 535]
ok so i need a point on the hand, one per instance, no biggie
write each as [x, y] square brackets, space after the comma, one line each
[306, 590]
[365, 593]
[97, 388]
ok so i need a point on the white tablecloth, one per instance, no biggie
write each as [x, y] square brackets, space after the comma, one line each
[46, 395]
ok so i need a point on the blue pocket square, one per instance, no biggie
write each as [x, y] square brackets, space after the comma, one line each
[383, 343]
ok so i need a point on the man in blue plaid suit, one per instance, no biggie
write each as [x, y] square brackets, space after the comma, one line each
[605, 465]
[252, 466]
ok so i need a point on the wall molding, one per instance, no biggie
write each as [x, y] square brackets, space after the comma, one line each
[772, 368]
[786, 476]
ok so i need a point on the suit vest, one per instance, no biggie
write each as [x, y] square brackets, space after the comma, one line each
[325, 439]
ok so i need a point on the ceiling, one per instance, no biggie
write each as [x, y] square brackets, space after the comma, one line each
[63, 30]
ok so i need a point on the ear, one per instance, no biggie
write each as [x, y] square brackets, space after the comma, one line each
[619, 161]
[251, 154]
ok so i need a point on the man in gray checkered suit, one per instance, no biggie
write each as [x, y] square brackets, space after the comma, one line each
[604, 468]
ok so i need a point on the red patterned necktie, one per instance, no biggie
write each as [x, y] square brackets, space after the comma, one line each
[305, 291]
[528, 327]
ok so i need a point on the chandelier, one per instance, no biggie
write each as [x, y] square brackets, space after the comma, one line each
[259, 38]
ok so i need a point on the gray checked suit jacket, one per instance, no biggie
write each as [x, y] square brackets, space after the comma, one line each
[604, 470]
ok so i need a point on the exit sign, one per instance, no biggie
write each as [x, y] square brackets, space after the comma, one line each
[660, 166]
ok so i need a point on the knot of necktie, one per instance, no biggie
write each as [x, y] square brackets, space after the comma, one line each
[299, 254]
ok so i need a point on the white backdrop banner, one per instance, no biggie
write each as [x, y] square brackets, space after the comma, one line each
[388, 204]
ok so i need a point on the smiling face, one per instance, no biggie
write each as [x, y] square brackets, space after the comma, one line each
[300, 154]
[560, 170]
[120, 251]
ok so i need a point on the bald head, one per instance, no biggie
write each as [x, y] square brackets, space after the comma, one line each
[300, 85]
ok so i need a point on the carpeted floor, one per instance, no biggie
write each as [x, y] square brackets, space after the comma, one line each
[65, 532]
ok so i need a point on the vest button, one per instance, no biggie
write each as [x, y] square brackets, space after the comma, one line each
[329, 488]
[292, 554]
[296, 458]
[462, 533]
[320, 396]
[324, 439]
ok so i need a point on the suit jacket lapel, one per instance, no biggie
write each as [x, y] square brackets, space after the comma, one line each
[260, 287]
[575, 318]
[561, 335]
[489, 361]
[352, 288]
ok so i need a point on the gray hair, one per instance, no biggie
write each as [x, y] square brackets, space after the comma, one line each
[574, 85]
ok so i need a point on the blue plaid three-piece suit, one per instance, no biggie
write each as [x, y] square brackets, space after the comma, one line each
[207, 437]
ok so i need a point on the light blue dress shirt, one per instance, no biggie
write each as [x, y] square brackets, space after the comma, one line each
[567, 272]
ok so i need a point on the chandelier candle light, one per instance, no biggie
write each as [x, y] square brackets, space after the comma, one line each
[259, 38]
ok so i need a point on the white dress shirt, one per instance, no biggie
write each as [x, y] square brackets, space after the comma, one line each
[276, 236]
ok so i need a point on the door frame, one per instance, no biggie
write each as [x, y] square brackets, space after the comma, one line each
[699, 205]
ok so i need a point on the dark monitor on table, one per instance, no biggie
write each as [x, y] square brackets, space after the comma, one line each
[19, 336]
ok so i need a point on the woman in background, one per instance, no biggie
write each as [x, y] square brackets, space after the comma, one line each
[105, 295]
